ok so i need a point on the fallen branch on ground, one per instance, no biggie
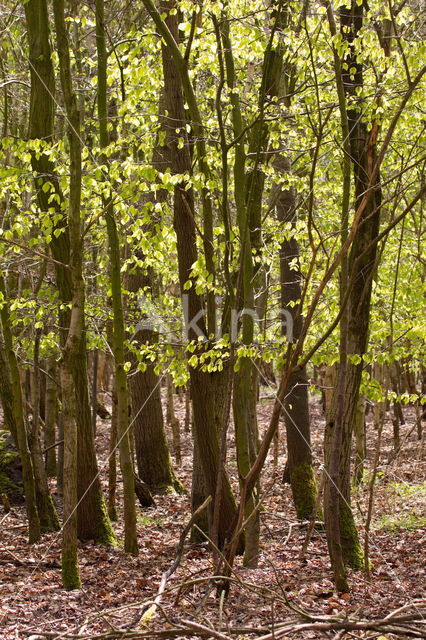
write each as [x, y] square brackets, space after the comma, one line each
[408, 621]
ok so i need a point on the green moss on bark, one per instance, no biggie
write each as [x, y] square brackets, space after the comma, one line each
[105, 533]
[7, 486]
[353, 555]
[201, 522]
[165, 488]
[70, 572]
[178, 486]
[47, 514]
[7, 455]
[304, 489]
[112, 513]
[8, 458]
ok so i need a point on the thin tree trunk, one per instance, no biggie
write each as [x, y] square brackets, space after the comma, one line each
[411, 384]
[187, 408]
[172, 420]
[95, 389]
[361, 265]
[247, 190]
[152, 451]
[93, 522]
[11, 396]
[395, 375]
[45, 507]
[126, 462]
[360, 440]
[51, 416]
[296, 404]
[112, 462]
[379, 414]
[198, 496]
[70, 352]
[342, 538]
[202, 382]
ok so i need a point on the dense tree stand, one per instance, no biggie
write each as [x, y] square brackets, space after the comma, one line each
[210, 215]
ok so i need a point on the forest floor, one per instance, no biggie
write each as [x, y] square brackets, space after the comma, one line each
[116, 586]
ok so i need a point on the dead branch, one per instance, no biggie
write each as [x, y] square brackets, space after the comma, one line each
[149, 610]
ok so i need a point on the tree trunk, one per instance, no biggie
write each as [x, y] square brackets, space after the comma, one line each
[51, 416]
[361, 265]
[411, 385]
[151, 448]
[172, 420]
[11, 397]
[70, 571]
[152, 451]
[198, 495]
[395, 375]
[70, 351]
[45, 507]
[188, 408]
[296, 404]
[123, 427]
[332, 498]
[112, 462]
[202, 382]
[60, 481]
[93, 522]
[248, 189]
[360, 440]
[252, 537]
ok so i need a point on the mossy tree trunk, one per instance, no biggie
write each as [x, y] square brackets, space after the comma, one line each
[360, 440]
[176, 79]
[11, 398]
[51, 416]
[151, 448]
[296, 404]
[112, 461]
[361, 261]
[247, 189]
[93, 522]
[46, 509]
[6, 391]
[123, 427]
[337, 512]
[70, 352]
[172, 420]
[152, 451]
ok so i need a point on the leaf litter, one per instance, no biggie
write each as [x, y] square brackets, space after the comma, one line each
[116, 586]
